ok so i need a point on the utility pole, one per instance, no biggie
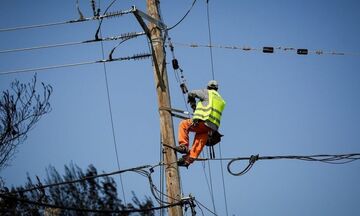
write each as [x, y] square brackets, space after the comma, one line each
[166, 122]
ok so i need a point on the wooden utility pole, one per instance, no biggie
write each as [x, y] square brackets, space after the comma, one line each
[166, 122]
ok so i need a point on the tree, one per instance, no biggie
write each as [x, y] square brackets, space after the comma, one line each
[95, 193]
[21, 107]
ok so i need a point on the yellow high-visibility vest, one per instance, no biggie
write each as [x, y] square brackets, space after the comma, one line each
[212, 112]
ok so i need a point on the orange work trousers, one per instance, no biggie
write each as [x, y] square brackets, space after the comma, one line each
[201, 136]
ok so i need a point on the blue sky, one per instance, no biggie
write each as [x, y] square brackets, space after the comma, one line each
[277, 104]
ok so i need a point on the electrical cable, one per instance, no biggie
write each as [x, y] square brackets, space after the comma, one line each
[210, 41]
[153, 187]
[207, 180]
[162, 169]
[330, 159]
[111, 115]
[179, 78]
[113, 49]
[78, 180]
[87, 210]
[111, 14]
[223, 181]
[211, 184]
[134, 57]
[213, 77]
[140, 170]
[325, 158]
[263, 49]
[192, 5]
[100, 23]
[46, 68]
[42, 47]
[120, 37]
[200, 204]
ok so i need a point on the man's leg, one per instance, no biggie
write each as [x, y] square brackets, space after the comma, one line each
[198, 145]
[200, 140]
[183, 135]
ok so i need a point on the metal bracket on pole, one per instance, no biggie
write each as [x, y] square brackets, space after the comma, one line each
[139, 15]
[157, 22]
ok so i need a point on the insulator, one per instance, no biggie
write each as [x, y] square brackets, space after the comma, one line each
[302, 51]
[183, 88]
[175, 64]
[141, 56]
[93, 7]
[268, 49]
[114, 14]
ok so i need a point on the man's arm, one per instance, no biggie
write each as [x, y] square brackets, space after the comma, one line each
[202, 95]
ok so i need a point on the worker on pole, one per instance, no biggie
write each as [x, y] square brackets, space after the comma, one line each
[205, 122]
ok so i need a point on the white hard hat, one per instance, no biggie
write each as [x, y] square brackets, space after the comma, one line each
[212, 84]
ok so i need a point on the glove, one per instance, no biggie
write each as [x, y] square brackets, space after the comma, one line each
[191, 100]
[193, 106]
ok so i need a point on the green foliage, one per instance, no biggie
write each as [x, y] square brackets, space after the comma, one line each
[94, 193]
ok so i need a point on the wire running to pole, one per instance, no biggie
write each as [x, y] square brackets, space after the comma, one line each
[162, 176]
[134, 57]
[111, 115]
[41, 47]
[207, 181]
[200, 204]
[213, 77]
[78, 180]
[279, 48]
[324, 158]
[112, 14]
[87, 210]
[211, 184]
[120, 37]
[47, 67]
[330, 159]
[192, 5]
[223, 181]
[210, 40]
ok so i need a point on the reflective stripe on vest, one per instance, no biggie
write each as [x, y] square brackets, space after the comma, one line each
[213, 111]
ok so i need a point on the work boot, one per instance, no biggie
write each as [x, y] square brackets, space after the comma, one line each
[182, 149]
[183, 162]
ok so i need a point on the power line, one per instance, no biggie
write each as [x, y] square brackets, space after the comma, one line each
[107, 8]
[140, 170]
[80, 180]
[161, 176]
[213, 77]
[324, 158]
[87, 210]
[210, 41]
[192, 5]
[223, 181]
[200, 204]
[211, 185]
[81, 19]
[111, 115]
[119, 37]
[331, 159]
[267, 49]
[134, 57]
